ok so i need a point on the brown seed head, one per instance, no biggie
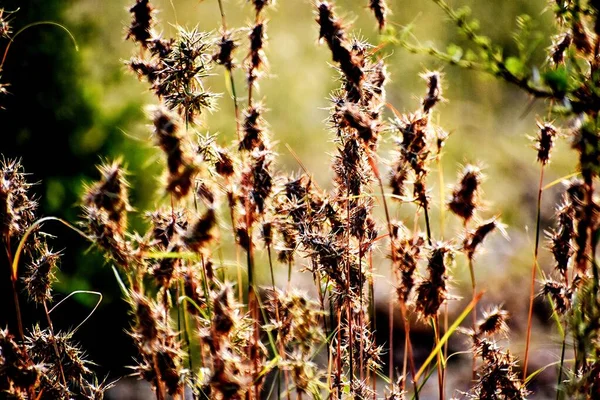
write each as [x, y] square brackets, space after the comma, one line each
[560, 44]
[475, 237]
[545, 141]
[140, 29]
[260, 4]
[332, 31]
[581, 38]
[17, 207]
[493, 322]
[253, 129]
[224, 56]
[432, 292]
[110, 193]
[256, 57]
[434, 90]
[380, 10]
[366, 128]
[464, 195]
[40, 274]
[200, 233]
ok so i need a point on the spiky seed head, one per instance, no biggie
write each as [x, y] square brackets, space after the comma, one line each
[223, 318]
[581, 37]
[227, 46]
[544, 141]
[434, 90]
[465, 194]
[476, 236]
[41, 274]
[380, 11]
[199, 234]
[17, 207]
[110, 193]
[493, 322]
[560, 44]
[561, 295]
[140, 29]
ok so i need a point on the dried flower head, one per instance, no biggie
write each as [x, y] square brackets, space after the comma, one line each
[41, 274]
[17, 207]
[496, 377]
[260, 4]
[581, 37]
[432, 292]
[332, 31]
[434, 90]
[105, 233]
[493, 322]
[256, 58]
[46, 348]
[180, 161]
[110, 193]
[465, 194]
[560, 44]
[200, 233]
[366, 128]
[414, 148]
[408, 253]
[226, 46]
[380, 9]
[560, 239]
[140, 29]
[559, 293]
[544, 141]
[476, 236]
[19, 374]
[253, 129]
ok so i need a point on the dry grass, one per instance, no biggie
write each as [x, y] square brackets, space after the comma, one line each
[195, 328]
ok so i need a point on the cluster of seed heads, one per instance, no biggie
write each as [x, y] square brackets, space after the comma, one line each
[277, 334]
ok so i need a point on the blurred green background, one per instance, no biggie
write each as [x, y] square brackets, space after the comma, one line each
[67, 110]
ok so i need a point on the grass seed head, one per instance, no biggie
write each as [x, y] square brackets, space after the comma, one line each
[41, 274]
[493, 322]
[464, 200]
[544, 141]
[380, 11]
[200, 234]
[17, 206]
[140, 29]
[226, 46]
[560, 44]
[434, 90]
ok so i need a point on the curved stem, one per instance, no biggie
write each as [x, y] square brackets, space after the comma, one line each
[12, 39]
[533, 273]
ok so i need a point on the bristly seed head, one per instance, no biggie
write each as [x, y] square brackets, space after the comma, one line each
[432, 292]
[465, 194]
[475, 237]
[17, 207]
[332, 30]
[559, 45]
[260, 4]
[141, 25]
[544, 141]
[434, 90]
[200, 233]
[493, 322]
[40, 274]
[224, 56]
[380, 10]
[110, 193]
[561, 295]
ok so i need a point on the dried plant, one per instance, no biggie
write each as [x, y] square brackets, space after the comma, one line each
[194, 328]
